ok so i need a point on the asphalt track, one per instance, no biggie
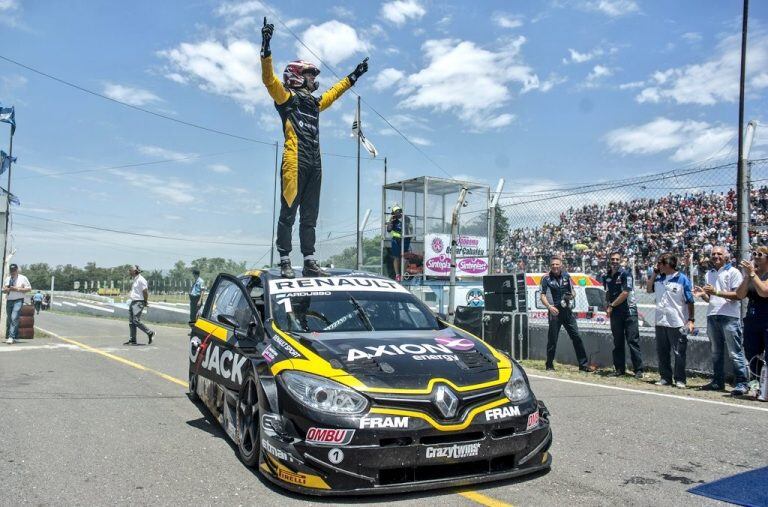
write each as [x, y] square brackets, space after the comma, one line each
[85, 420]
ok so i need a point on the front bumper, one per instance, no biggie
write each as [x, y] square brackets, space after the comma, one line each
[403, 460]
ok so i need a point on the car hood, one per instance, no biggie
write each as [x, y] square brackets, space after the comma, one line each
[408, 359]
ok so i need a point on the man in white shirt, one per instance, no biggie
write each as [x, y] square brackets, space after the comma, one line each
[724, 322]
[15, 286]
[136, 304]
[674, 318]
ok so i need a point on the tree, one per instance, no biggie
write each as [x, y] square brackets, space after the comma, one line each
[371, 255]
[501, 232]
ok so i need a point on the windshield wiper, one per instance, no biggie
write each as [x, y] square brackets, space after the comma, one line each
[361, 313]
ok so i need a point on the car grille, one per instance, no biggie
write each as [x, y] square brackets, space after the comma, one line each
[423, 403]
[390, 476]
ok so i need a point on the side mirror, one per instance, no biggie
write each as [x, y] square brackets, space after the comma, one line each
[228, 320]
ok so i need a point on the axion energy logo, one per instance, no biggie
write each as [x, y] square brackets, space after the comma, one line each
[456, 343]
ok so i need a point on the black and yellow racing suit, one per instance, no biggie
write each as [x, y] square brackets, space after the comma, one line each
[301, 171]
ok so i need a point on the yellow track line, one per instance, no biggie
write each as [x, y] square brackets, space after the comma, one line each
[117, 358]
[469, 495]
[483, 500]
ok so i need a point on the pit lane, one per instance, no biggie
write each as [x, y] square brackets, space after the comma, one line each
[79, 426]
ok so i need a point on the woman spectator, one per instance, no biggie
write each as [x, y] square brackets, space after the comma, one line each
[755, 287]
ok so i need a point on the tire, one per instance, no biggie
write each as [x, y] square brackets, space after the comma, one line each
[26, 333]
[193, 388]
[26, 322]
[27, 311]
[247, 422]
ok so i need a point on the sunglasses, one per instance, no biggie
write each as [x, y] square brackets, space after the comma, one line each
[759, 254]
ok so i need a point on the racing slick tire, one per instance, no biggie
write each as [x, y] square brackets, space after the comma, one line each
[193, 396]
[247, 422]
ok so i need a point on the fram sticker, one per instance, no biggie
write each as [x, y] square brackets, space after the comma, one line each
[383, 422]
[502, 413]
[334, 284]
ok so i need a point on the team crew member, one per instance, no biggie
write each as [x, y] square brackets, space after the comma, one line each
[301, 172]
[557, 295]
[674, 318]
[395, 228]
[195, 296]
[138, 301]
[37, 299]
[15, 286]
[622, 311]
[755, 287]
[724, 322]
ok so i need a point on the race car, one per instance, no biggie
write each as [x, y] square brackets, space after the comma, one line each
[348, 384]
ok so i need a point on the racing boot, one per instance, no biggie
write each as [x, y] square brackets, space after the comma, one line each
[286, 271]
[311, 268]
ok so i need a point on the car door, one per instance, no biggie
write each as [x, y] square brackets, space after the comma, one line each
[228, 320]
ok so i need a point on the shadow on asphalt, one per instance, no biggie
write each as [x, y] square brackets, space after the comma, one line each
[210, 425]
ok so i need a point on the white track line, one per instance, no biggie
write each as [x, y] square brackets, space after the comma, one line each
[653, 393]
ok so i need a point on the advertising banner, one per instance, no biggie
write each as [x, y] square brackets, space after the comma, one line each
[471, 255]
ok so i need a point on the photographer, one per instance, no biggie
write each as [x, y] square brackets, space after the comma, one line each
[622, 312]
[557, 296]
[399, 243]
[674, 318]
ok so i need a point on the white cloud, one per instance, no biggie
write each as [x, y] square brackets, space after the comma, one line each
[454, 72]
[631, 85]
[596, 75]
[220, 168]
[10, 12]
[613, 8]
[129, 94]
[421, 141]
[508, 20]
[170, 190]
[238, 9]
[688, 140]
[692, 37]
[230, 70]
[576, 57]
[400, 11]
[166, 154]
[342, 12]
[387, 78]
[333, 42]
[712, 81]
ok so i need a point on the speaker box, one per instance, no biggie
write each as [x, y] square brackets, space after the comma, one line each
[505, 292]
[497, 331]
[470, 319]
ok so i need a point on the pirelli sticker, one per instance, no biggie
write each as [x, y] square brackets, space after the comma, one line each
[297, 478]
[306, 286]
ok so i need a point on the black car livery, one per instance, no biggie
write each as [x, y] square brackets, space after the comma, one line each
[348, 384]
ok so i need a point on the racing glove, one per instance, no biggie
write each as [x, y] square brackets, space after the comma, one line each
[361, 69]
[266, 36]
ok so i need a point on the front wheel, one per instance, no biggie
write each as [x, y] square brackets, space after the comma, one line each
[247, 422]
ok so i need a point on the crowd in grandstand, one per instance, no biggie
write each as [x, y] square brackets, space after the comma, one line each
[688, 225]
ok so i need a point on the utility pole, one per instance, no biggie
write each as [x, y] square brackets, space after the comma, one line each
[492, 227]
[357, 205]
[742, 172]
[274, 207]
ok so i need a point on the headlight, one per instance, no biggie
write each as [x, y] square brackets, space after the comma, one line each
[517, 388]
[323, 394]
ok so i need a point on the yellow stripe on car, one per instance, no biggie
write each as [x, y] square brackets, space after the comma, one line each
[438, 426]
[209, 327]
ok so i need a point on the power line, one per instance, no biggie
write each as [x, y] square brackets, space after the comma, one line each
[423, 153]
[126, 166]
[142, 235]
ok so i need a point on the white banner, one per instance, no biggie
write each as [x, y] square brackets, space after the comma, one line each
[471, 255]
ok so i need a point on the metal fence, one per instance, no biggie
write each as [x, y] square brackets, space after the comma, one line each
[685, 211]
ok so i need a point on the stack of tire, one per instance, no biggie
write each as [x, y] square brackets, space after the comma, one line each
[27, 322]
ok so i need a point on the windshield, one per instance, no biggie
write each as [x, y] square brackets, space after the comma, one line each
[341, 310]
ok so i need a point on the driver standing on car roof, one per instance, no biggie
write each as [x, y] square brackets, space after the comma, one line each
[301, 168]
[557, 296]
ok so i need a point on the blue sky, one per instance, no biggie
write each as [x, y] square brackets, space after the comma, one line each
[540, 93]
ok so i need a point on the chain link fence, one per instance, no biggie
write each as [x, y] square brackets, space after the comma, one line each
[685, 211]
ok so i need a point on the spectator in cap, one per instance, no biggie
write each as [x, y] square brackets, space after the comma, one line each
[195, 296]
[138, 300]
[15, 286]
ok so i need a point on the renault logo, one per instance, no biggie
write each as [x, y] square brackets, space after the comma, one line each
[445, 401]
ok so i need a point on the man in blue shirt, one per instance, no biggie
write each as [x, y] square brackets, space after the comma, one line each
[195, 296]
[622, 311]
[38, 300]
[674, 318]
[557, 296]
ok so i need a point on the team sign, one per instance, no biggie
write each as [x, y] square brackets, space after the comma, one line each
[334, 284]
[471, 255]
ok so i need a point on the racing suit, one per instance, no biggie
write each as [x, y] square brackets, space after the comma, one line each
[301, 171]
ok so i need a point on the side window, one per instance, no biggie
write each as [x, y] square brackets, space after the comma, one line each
[230, 300]
[595, 297]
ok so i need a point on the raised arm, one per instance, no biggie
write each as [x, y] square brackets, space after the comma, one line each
[275, 88]
[337, 90]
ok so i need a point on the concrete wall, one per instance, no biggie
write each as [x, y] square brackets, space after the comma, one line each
[599, 347]
[156, 312]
